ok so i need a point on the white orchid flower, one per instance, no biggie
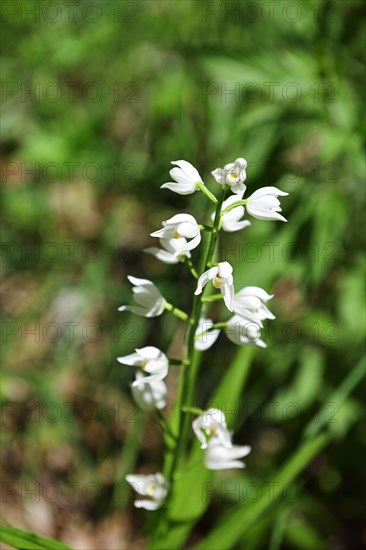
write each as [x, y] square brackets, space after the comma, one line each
[170, 253]
[243, 331]
[219, 457]
[263, 204]
[186, 177]
[149, 394]
[153, 486]
[249, 303]
[233, 174]
[204, 339]
[150, 360]
[183, 229]
[222, 278]
[231, 221]
[211, 426]
[151, 303]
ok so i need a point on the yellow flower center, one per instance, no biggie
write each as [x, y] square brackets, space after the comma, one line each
[144, 363]
[177, 235]
[217, 282]
[151, 490]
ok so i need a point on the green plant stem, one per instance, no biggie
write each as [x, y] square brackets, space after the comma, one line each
[189, 376]
[235, 205]
[165, 425]
[190, 266]
[178, 313]
[206, 192]
[191, 371]
[212, 298]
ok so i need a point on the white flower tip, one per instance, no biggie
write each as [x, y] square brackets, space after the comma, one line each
[122, 308]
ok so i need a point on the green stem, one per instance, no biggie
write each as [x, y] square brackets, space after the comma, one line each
[178, 313]
[165, 425]
[206, 192]
[190, 373]
[235, 205]
[178, 362]
[212, 298]
[188, 380]
[191, 267]
[193, 410]
[206, 228]
[216, 326]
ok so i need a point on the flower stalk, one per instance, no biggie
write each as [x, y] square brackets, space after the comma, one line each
[178, 237]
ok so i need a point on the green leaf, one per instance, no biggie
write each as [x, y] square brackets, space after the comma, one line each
[28, 541]
[235, 523]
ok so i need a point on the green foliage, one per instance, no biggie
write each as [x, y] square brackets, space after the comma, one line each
[23, 540]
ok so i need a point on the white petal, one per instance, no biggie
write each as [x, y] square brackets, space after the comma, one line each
[134, 360]
[232, 226]
[136, 310]
[135, 281]
[270, 190]
[162, 255]
[150, 505]
[180, 218]
[180, 188]
[188, 230]
[219, 175]
[227, 290]
[188, 169]
[205, 278]
[159, 233]
[255, 291]
[149, 352]
[225, 269]
[205, 341]
[193, 243]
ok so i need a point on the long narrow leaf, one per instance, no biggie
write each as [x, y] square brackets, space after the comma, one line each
[21, 539]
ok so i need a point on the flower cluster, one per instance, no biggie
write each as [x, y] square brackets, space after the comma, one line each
[220, 454]
[178, 237]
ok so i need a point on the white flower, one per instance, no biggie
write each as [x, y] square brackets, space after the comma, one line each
[233, 174]
[231, 220]
[249, 303]
[204, 340]
[222, 278]
[243, 331]
[149, 394]
[186, 177]
[263, 204]
[182, 228]
[153, 486]
[171, 254]
[151, 360]
[218, 457]
[147, 296]
[211, 426]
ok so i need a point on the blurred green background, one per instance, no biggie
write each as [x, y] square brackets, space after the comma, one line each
[97, 99]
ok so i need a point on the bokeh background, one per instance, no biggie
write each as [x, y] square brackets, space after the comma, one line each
[98, 98]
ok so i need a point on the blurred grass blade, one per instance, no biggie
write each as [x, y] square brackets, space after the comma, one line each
[234, 524]
[337, 398]
[28, 541]
[278, 531]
